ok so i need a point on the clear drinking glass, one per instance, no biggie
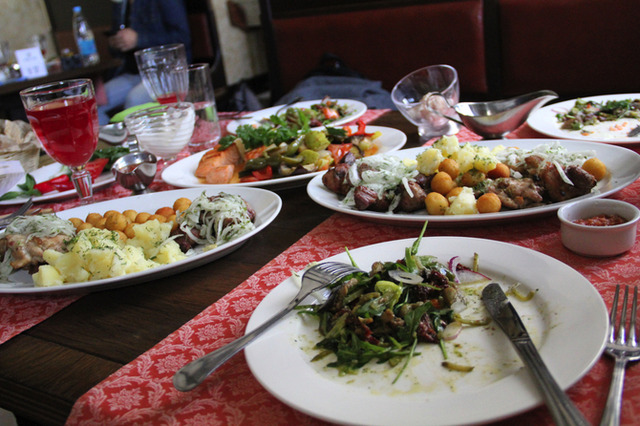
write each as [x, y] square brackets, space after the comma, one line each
[412, 95]
[64, 116]
[207, 127]
[164, 72]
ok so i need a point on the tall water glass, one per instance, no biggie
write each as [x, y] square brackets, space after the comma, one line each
[64, 116]
[414, 97]
[207, 127]
[164, 72]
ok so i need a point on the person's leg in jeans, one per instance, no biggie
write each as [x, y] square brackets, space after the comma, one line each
[117, 90]
[138, 95]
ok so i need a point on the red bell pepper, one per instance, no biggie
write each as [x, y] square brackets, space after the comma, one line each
[264, 173]
[338, 150]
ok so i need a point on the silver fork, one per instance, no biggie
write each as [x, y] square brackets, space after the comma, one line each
[5, 221]
[315, 278]
[623, 348]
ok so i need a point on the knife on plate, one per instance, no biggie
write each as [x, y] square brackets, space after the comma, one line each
[562, 409]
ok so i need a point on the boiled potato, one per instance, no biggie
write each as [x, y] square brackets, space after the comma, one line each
[429, 160]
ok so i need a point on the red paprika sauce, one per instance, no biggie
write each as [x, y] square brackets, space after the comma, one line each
[602, 220]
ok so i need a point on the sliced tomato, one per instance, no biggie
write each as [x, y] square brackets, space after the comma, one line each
[263, 173]
[96, 167]
[338, 150]
[248, 179]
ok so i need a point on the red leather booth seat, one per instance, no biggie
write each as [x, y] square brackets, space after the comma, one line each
[386, 44]
[577, 47]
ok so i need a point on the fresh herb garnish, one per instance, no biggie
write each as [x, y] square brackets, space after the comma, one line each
[26, 189]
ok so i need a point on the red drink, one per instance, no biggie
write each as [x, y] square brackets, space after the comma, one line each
[67, 129]
[169, 98]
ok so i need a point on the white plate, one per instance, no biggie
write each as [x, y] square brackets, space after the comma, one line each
[265, 203]
[49, 172]
[544, 121]
[356, 109]
[623, 165]
[182, 173]
[567, 320]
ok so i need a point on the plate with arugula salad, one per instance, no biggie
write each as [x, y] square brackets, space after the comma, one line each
[52, 182]
[606, 118]
[466, 376]
[317, 113]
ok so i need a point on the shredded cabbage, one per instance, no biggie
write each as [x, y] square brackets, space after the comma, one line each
[551, 153]
[218, 220]
[46, 225]
[380, 174]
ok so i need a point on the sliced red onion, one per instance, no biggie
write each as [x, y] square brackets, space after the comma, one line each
[452, 330]
[464, 275]
[405, 277]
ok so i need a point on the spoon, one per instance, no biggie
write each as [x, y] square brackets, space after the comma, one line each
[113, 133]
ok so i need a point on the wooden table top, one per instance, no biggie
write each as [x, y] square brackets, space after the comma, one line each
[45, 369]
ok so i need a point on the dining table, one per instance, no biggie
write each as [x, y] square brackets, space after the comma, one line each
[108, 357]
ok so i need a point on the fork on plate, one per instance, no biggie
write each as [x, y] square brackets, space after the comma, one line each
[6, 220]
[315, 278]
[623, 347]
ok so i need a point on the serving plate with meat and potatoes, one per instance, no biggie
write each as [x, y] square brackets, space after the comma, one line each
[465, 184]
[130, 240]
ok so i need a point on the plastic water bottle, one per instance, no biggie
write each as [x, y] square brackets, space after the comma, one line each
[84, 38]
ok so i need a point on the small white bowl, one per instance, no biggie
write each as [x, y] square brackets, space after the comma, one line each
[598, 241]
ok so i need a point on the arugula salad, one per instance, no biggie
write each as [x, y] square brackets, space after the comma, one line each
[589, 112]
[382, 315]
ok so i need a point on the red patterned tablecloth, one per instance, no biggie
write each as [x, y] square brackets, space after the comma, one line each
[142, 391]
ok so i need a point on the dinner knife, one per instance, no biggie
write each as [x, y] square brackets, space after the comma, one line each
[562, 409]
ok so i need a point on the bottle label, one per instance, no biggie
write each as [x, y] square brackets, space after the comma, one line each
[87, 47]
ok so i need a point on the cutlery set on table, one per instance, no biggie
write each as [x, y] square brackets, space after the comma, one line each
[475, 363]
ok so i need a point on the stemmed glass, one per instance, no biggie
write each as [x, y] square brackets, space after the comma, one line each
[164, 72]
[64, 116]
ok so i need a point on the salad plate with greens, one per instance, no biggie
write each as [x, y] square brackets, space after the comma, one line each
[606, 118]
[357, 347]
[319, 113]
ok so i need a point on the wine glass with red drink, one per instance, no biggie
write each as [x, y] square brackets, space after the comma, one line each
[64, 116]
[164, 72]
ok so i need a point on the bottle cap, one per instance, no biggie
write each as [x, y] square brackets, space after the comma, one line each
[77, 9]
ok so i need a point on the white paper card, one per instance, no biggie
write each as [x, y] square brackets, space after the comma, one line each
[31, 62]
[11, 173]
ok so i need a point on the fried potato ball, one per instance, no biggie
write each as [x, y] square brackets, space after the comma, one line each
[454, 192]
[436, 203]
[110, 212]
[76, 222]
[116, 222]
[488, 203]
[158, 217]
[181, 204]
[595, 167]
[93, 218]
[129, 231]
[165, 211]
[449, 166]
[101, 224]
[501, 171]
[142, 217]
[442, 183]
[84, 225]
[130, 215]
